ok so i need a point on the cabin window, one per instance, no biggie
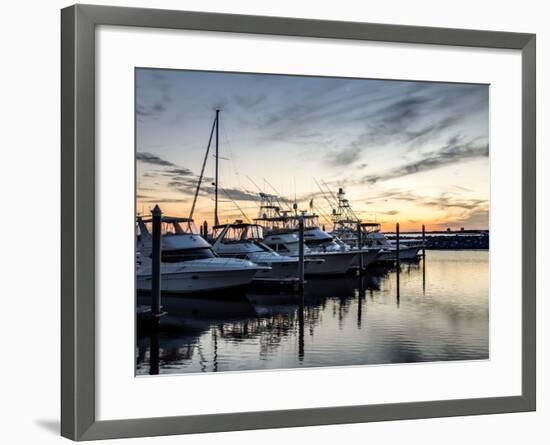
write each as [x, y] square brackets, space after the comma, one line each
[175, 256]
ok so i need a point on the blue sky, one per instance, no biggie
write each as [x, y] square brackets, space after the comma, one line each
[413, 152]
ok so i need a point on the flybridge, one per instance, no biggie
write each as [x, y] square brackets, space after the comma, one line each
[170, 224]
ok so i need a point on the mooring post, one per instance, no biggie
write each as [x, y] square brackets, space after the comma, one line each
[301, 253]
[301, 328]
[423, 259]
[360, 301]
[397, 260]
[423, 240]
[156, 257]
[154, 349]
[360, 246]
[397, 246]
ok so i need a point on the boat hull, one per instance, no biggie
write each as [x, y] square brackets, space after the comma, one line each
[405, 254]
[283, 272]
[334, 263]
[369, 257]
[193, 282]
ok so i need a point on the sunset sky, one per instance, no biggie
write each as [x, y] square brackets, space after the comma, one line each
[408, 152]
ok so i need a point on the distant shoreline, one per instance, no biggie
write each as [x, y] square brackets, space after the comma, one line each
[443, 232]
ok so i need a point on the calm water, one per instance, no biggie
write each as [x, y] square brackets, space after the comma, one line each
[439, 312]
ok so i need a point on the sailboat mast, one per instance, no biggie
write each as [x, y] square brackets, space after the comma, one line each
[216, 220]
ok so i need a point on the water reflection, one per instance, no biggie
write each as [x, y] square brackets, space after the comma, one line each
[385, 316]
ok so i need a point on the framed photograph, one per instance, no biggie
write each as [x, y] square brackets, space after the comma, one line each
[272, 222]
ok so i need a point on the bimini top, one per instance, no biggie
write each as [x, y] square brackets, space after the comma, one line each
[370, 224]
[237, 225]
[167, 219]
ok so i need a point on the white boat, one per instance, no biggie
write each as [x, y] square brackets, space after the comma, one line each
[281, 228]
[388, 250]
[334, 262]
[189, 264]
[320, 241]
[245, 241]
[346, 226]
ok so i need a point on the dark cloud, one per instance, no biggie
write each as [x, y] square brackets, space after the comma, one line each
[454, 151]
[140, 111]
[240, 194]
[249, 102]
[426, 113]
[188, 185]
[469, 212]
[343, 157]
[153, 106]
[150, 158]
[476, 217]
[163, 200]
[446, 201]
[168, 168]
[179, 171]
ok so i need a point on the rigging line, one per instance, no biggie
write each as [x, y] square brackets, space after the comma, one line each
[236, 205]
[248, 192]
[231, 154]
[277, 195]
[324, 194]
[321, 214]
[256, 185]
[324, 212]
[199, 182]
[329, 191]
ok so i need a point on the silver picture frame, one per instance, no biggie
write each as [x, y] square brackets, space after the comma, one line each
[78, 177]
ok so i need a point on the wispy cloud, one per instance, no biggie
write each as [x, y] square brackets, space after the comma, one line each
[350, 132]
[150, 158]
[343, 157]
[250, 101]
[159, 100]
[454, 151]
[188, 185]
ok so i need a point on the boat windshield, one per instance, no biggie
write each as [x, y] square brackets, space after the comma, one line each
[263, 246]
[179, 255]
[241, 232]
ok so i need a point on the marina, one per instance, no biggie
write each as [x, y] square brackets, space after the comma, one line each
[234, 277]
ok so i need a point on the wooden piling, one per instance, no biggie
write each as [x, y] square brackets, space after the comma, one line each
[156, 258]
[360, 246]
[301, 328]
[423, 240]
[154, 349]
[397, 246]
[301, 253]
[397, 262]
[423, 259]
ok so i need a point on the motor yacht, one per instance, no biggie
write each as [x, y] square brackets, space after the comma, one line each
[188, 262]
[245, 241]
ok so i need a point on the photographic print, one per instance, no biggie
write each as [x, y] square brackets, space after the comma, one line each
[287, 221]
